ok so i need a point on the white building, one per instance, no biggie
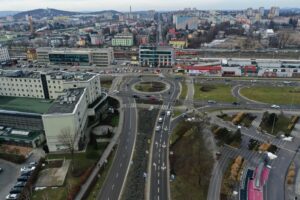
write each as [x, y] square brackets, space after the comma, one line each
[4, 56]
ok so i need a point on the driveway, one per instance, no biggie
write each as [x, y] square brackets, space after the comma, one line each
[8, 177]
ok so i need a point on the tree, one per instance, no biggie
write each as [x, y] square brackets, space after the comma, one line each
[67, 139]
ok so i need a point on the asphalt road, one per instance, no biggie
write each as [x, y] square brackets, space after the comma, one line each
[8, 177]
[112, 188]
[159, 171]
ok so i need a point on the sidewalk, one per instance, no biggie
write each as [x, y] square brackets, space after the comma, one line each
[103, 158]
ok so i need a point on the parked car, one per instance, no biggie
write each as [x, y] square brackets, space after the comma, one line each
[1, 170]
[26, 173]
[16, 190]
[20, 184]
[23, 178]
[12, 196]
[28, 168]
[211, 102]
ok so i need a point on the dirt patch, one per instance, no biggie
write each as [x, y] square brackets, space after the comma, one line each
[24, 151]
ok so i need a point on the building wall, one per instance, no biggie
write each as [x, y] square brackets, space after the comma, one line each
[21, 87]
[75, 122]
[4, 56]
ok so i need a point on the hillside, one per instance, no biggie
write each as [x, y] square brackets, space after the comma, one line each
[40, 13]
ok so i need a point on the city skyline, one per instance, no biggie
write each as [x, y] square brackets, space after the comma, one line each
[93, 5]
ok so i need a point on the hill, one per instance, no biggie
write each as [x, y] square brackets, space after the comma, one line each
[7, 13]
[40, 13]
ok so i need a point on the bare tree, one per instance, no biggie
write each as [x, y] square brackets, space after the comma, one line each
[67, 139]
[284, 38]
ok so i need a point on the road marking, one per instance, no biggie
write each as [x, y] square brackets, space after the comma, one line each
[121, 164]
[159, 154]
[158, 161]
[112, 187]
[158, 190]
[157, 197]
[159, 150]
[117, 175]
[126, 147]
[158, 174]
[157, 181]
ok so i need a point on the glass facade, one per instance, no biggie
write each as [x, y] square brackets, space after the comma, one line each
[69, 58]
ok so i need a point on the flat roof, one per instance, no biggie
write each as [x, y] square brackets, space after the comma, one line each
[61, 105]
[7, 134]
[24, 104]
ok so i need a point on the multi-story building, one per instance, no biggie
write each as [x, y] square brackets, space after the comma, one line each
[178, 43]
[31, 54]
[142, 39]
[51, 103]
[261, 11]
[274, 12]
[185, 22]
[156, 56]
[4, 55]
[82, 56]
[123, 40]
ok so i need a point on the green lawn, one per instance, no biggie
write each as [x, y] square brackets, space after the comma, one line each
[150, 86]
[106, 83]
[184, 90]
[24, 104]
[273, 95]
[216, 92]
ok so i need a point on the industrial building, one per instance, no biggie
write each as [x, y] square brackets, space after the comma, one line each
[63, 101]
[71, 56]
[156, 56]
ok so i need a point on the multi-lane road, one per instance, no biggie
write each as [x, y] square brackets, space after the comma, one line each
[114, 183]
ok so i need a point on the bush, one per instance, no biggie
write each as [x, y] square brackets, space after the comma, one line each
[13, 158]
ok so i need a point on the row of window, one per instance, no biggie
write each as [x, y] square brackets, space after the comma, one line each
[21, 85]
[21, 95]
[20, 80]
[23, 90]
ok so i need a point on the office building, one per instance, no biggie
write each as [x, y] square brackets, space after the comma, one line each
[261, 11]
[48, 103]
[274, 12]
[82, 56]
[4, 55]
[122, 40]
[185, 22]
[156, 56]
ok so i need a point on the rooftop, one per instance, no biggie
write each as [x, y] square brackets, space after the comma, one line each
[9, 133]
[24, 104]
[73, 50]
[70, 76]
[66, 103]
[19, 74]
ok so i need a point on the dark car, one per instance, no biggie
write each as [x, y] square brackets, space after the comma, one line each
[23, 178]
[1, 170]
[26, 173]
[16, 190]
[135, 96]
[235, 103]
[20, 184]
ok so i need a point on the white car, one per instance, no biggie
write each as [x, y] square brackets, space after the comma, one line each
[168, 113]
[157, 128]
[160, 120]
[275, 106]
[27, 169]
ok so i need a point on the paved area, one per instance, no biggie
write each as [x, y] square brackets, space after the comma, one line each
[53, 176]
[8, 177]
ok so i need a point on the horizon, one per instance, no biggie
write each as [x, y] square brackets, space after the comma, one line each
[140, 5]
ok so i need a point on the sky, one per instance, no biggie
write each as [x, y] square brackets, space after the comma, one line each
[123, 5]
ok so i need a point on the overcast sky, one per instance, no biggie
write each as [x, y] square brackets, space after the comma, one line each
[123, 5]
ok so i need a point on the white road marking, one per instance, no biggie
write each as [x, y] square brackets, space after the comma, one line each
[117, 175]
[121, 164]
[112, 187]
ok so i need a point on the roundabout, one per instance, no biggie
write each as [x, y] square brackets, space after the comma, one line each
[150, 87]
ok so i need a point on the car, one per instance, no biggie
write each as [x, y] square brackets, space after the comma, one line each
[33, 164]
[26, 173]
[166, 128]
[168, 113]
[163, 113]
[275, 106]
[235, 103]
[15, 190]
[135, 96]
[20, 184]
[28, 168]
[12, 196]
[1, 170]
[157, 128]
[160, 120]
[211, 102]
[23, 178]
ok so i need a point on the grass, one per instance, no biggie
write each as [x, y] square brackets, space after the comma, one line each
[98, 185]
[273, 95]
[216, 92]
[106, 83]
[281, 125]
[191, 163]
[177, 113]
[24, 104]
[150, 86]
[82, 161]
[184, 90]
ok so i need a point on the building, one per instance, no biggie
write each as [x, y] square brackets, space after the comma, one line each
[97, 39]
[72, 56]
[156, 56]
[185, 22]
[4, 55]
[274, 12]
[178, 43]
[31, 54]
[122, 40]
[49, 103]
[261, 11]
[142, 39]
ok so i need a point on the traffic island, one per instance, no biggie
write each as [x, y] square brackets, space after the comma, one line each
[150, 87]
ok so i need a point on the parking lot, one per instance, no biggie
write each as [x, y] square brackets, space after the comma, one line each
[8, 177]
